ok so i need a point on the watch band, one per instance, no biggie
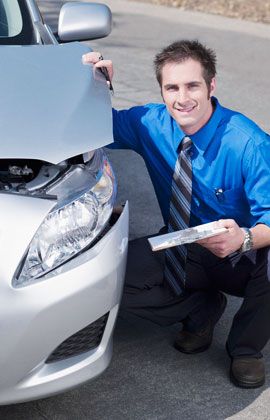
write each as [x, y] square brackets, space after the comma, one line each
[248, 241]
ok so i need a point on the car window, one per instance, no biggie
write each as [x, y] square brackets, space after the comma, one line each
[10, 18]
[15, 23]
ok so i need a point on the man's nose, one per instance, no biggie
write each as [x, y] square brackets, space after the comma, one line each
[182, 96]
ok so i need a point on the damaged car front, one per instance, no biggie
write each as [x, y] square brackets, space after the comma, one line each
[63, 246]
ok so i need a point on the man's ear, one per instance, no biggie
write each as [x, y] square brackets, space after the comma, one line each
[213, 86]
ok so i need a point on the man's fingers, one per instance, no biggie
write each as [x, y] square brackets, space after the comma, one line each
[91, 57]
[227, 223]
[213, 240]
[227, 242]
[97, 60]
[207, 242]
[108, 65]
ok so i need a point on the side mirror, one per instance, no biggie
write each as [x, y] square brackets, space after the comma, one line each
[84, 21]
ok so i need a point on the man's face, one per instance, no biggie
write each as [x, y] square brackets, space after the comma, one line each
[186, 94]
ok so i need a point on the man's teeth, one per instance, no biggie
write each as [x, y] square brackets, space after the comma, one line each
[186, 109]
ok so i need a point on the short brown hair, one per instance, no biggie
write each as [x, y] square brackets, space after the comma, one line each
[182, 50]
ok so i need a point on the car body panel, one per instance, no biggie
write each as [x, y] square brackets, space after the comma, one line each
[45, 313]
[52, 105]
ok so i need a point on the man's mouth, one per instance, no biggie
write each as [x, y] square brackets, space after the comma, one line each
[185, 110]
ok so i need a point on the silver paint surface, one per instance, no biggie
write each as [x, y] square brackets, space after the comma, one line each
[39, 317]
[82, 21]
[52, 106]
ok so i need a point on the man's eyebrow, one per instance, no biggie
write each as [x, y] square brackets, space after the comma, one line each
[192, 82]
[171, 85]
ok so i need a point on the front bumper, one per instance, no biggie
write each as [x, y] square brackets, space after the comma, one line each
[35, 320]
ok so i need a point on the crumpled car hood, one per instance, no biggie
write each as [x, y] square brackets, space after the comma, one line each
[52, 106]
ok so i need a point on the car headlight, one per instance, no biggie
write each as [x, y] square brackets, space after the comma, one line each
[76, 220]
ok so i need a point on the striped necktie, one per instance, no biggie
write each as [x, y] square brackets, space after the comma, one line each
[175, 257]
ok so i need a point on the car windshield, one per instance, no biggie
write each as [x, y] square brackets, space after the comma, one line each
[15, 23]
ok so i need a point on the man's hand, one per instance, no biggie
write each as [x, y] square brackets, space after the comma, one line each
[225, 243]
[97, 59]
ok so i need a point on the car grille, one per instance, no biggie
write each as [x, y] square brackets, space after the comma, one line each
[82, 341]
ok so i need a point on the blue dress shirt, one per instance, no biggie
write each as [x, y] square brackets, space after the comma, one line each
[230, 161]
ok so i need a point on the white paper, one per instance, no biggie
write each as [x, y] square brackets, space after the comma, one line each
[185, 236]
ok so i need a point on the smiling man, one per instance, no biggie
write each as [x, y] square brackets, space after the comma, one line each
[187, 94]
[207, 163]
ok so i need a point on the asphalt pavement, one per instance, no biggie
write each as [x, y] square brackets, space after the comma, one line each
[148, 378]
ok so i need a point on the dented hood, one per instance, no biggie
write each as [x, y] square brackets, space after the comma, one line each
[52, 106]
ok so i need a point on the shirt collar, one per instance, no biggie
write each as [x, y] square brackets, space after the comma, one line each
[203, 137]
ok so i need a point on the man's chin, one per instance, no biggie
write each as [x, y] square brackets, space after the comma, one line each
[185, 122]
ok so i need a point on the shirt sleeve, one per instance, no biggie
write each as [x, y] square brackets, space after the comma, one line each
[256, 173]
[128, 128]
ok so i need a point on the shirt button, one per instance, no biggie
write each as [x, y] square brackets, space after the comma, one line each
[191, 153]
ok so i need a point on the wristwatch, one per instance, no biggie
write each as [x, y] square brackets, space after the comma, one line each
[248, 241]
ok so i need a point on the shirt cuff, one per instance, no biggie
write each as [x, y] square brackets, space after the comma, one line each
[265, 220]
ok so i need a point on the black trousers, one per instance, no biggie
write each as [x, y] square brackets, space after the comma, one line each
[244, 275]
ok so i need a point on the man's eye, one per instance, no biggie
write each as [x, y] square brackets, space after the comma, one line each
[193, 86]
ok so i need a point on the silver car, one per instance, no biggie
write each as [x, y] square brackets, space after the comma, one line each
[63, 247]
